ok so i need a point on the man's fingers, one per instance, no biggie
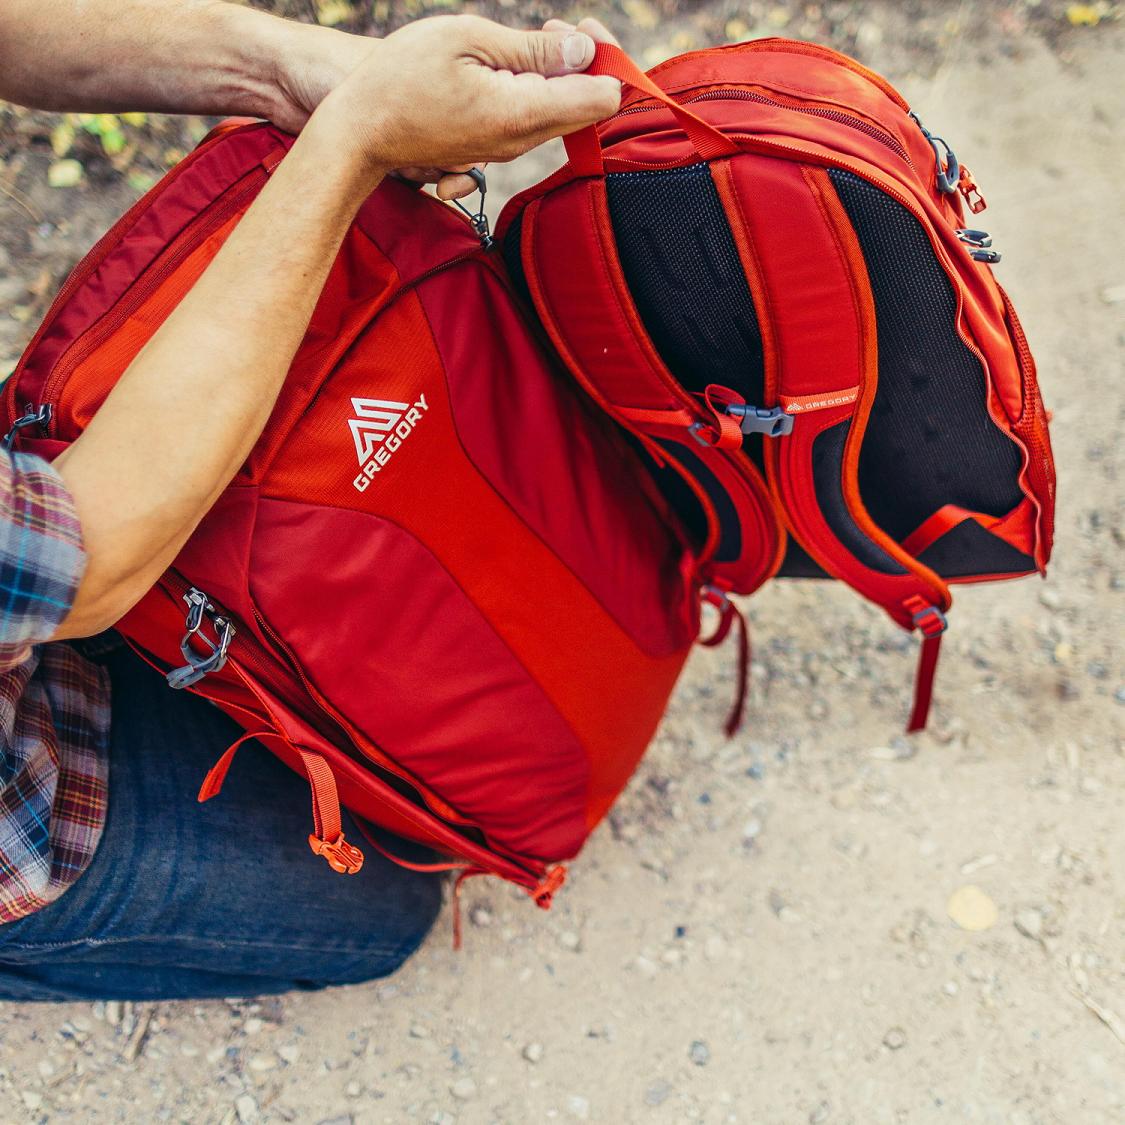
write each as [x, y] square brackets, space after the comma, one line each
[561, 105]
[550, 53]
[595, 29]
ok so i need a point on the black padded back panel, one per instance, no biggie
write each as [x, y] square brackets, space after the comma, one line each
[827, 466]
[930, 441]
[682, 267]
[969, 549]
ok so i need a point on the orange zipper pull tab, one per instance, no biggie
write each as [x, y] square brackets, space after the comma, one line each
[968, 188]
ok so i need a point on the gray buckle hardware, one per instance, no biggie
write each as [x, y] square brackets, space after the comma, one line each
[979, 238]
[478, 220]
[931, 621]
[769, 420]
[200, 609]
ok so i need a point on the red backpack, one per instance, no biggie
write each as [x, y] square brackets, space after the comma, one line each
[776, 292]
[442, 587]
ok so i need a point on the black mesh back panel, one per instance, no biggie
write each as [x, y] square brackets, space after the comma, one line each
[969, 549]
[827, 467]
[684, 501]
[930, 441]
[683, 270]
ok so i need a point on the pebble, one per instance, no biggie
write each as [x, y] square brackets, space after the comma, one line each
[262, 1063]
[951, 988]
[417, 1031]
[895, 1039]
[819, 1115]
[533, 1052]
[480, 916]
[699, 1053]
[972, 909]
[578, 1107]
[353, 1089]
[1029, 922]
[343, 1119]
[568, 939]
[289, 1054]
[463, 1089]
[253, 1025]
[246, 1108]
[658, 1093]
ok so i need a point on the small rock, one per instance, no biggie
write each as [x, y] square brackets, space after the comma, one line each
[895, 1039]
[568, 939]
[343, 1119]
[480, 916]
[533, 1052]
[289, 1054]
[951, 988]
[262, 1063]
[31, 1099]
[972, 909]
[645, 967]
[253, 1025]
[417, 1031]
[353, 1089]
[658, 1093]
[463, 1089]
[819, 1115]
[578, 1107]
[1029, 922]
[699, 1053]
[246, 1108]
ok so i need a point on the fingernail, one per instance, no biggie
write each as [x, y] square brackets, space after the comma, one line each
[577, 51]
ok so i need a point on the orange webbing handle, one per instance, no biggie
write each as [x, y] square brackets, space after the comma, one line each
[585, 150]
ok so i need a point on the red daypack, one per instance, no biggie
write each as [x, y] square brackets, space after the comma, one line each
[775, 290]
[442, 587]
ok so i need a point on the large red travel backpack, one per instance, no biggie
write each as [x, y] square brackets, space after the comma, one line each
[442, 587]
[776, 291]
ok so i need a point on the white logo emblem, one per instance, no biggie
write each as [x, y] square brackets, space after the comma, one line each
[374, 419]
[378, 429]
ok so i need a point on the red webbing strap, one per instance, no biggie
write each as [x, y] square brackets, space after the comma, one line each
[729, 614]
[217, 774]
[584, 149]
[931, 622]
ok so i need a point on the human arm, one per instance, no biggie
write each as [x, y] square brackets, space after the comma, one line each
[447, 92]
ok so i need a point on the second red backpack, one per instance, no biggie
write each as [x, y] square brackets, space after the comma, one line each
[762, 266]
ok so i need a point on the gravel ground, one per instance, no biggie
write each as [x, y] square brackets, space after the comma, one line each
[779, 928]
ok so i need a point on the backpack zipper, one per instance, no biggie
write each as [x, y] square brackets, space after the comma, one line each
[188, 240]
[746, 95]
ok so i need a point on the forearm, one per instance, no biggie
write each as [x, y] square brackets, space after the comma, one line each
[179, 56]
[205, 384]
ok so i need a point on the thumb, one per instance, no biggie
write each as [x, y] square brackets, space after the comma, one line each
[550, 53]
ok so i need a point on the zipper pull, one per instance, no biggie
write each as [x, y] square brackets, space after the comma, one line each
[200, 610]
[32, 416]
[478, 220]
[968, 188]
[948, 168]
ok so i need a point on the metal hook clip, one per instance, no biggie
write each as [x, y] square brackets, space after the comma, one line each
[33, 415]
[478, 220]
[197, 666]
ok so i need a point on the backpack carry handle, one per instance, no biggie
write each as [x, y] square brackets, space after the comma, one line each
[584, 149]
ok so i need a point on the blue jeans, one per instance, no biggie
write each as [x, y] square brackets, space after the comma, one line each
[184, 900]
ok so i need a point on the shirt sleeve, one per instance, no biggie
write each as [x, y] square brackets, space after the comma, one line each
[41, 554]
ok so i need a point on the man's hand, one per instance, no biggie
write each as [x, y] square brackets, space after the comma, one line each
[444, 93]
[455, 91]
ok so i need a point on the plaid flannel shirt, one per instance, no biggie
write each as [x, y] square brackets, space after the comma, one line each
[54, 704]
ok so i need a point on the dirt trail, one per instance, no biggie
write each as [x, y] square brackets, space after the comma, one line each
[760, 933]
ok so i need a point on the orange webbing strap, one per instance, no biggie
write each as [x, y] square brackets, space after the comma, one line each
[730, 614]
[584, 149]
[327, 839]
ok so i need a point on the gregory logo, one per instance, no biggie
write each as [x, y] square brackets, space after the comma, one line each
[378, 429]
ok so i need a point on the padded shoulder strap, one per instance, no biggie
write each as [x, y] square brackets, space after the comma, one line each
[821, 367]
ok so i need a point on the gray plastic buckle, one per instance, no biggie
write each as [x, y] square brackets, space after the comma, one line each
[769, 420]
[200, 609]
[931, 621]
